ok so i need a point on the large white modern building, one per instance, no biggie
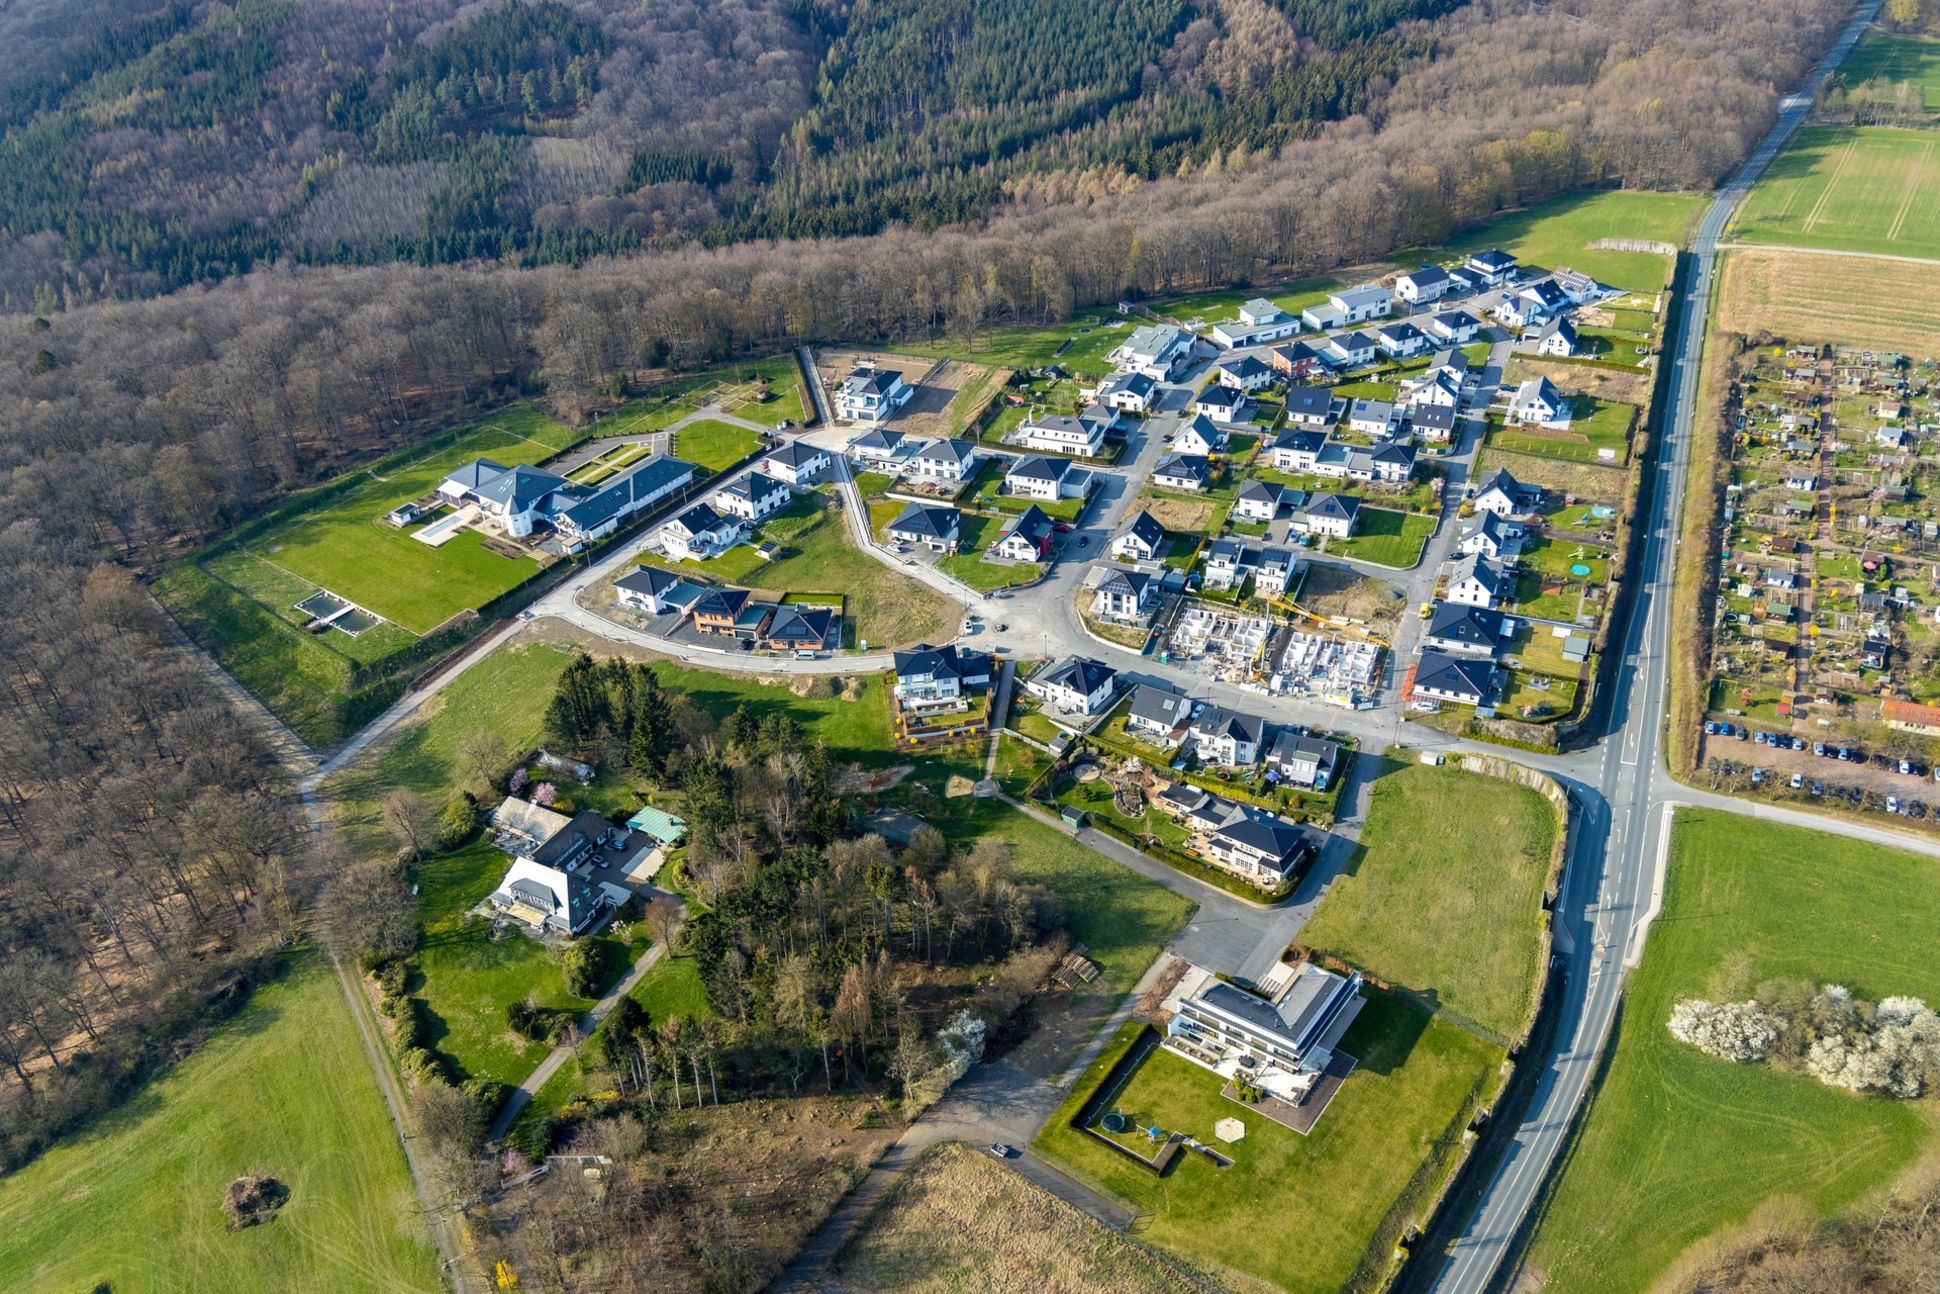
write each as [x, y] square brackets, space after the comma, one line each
[1281, 1045]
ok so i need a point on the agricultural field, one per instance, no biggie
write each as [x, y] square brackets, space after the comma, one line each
[1352, 1180]
[1855, 300]
[1444, 895]
[1679, 1146]
[1863, 189]
[284, 1088]
[958, 1221]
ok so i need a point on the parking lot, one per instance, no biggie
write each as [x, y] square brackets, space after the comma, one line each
[1866, 780]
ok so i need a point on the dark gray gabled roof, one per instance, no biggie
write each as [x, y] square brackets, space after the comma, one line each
[919, 519]
[947, 661]
[1292, 745]
[1264, 491]
[1307, 442]
[885, 439]
[1221, 397]
[1265, 834]
[520, 487]
[1032, 524]
[1558, 324]
[1079, 673]
[1394, 452]
[951, 450]
[1131, 584]
[1193, 467]
[1453, 319]
[1341, 506]
[1455, 674]
[1489, 574]
[878, 381]
[1546, 291]
[700, 519]
[1426, 276]
[1145, 528]
[801, 624]
[1040, 468]
[649, 481]
[1402, 331]
[1499, 479]
[1435, 417]
[1218, 722]
[1310, 401]
[1493, 259]
[1136, 383]
[1355, 341]
[796, 454]
[1470, 626]
[1156, 705]
[650, 580]
[755, 486]
[477, 472]
[1449, 357]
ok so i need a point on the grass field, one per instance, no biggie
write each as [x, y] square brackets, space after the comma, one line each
[1386, 537]
[1870, 189]
[1558, 232]
[1414, 1083]
[1679, 1145]
[714, 445]
[1851, 299]
[1895, 57]
[885, 608]
[957, 1221]
[1444, 895]
[133, 1204]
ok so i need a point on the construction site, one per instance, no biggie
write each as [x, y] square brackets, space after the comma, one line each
[1330, 667]
[1231, 644]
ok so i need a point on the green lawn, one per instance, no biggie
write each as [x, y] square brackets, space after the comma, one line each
[976, 535]
[1411, 1092]
[133, 1204]
[885, 608]
[1679, 1145]
[1386, 537]
[1869, 189]
[1558, 232]
[1444, 895]
[1079, 346]
[714, 445]
[1895, 57]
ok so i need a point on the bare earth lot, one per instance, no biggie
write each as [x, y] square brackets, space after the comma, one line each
[946, 401]
[1862, 301]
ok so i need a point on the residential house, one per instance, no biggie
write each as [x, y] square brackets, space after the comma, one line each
[1456, 327]
[1466, 278]
[727, 612]
[1459, 630]
[798, 626]
[871, 394]
[1530, 305]
[1557, 338]
[1350, 350]
[1227, 738]
[1494, 265]
[1127, 392]
[1259, 322]
[1469, 680]
[945, 462]
[1442, 389]
[1490, 535]
[1375, 418]
[1304, 759]
[1328, 514]
[884, 450]
[1400, 340]
[1223, 404]
[1282, 1046]
[1390, 463]
[1142, 539]
[939, 678]
[1055, 433]
[1124, 597]
[1257, 501]
[1433, 424]
[1349, 306]
[1046, 479]
[1476, 581]
[1200, 436]
[1228, 563]
[1312, 406]
[1802, 479]
[1256, 844]
[1028, 537]
[1537, 402]
[1159, 351]
[554, 900]
[932, 528]
[1423, 284]
[591, 512]
[524, 498]
[654, 591]
[1075, 685]
[1580, 288]
[701, 534]
[1245, 374]
[796, 462]
[1501, 494]
[753, 496]
[1276, 571]
[1298, 362]
[1296, 451]
[1159, 717]
[1188, 472]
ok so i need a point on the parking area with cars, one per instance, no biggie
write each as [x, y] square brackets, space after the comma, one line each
[1783, 765]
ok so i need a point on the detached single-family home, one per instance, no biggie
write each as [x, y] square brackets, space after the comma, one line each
[1350, 350]
[1124, 597]
[700, 534]
[1223, 404]
[871, 394]
[654, 591]
[1159, 351]
[1276, 570]
[1028, 536]
[1259, 322]
[1158, 717]
[1188, 472]
[1142, 539]
[1298, 362]
[1441, 388]
[1476, 581]
[1456, 327]
[753, 496]
[1256, 844]
[1328, 514]
[728, 613]
[1494, 265]
[1282, 1045]
[1312, 406]
[1489, 534]
[1432, 424]
[522, 498]
[934, 678]
[1401, 340]
[1350, 306]
[793, 626]
[884, 450]
[1296, 451]
[1200, 436]
[1257, 501]
[931, 527]
[1422, 284]
[1466, 679]
[1127, 392]
[552, 884]
[1537, 402]
[1375, 418]
[1580, 288]
[1557, 338]
[1392, 463]
[945, 462]
[1245, 374]
[1228, 563]
[1461, 630]
[1303, 759]
[1227, 738]
[1529, 305]
[1056, 433]
[1046, 479]
[1075, 685]
[796, 462]
[1501, 494]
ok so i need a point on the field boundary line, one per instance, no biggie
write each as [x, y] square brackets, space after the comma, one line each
[1828, 251]
[1913, 181]
[320, 588]
[1832, 183]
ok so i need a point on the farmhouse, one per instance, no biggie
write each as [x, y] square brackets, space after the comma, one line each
[521, 499]
[1189, 472]
[932, 528]
[1159, 351]
[1227, 738]
[1349, 306]
[654, 591]
[1259, 322]
[1028, 537]
[871, 394]
[939, 678]
[1127, 392]
[946, 462]
[1456, 327]
[1557, 338]
[1422, 284]
[1055, 433]
[1476, 581]
[1158, 716]
[1537, 402]
[753, 496]
[1047, 479]
[1303, 759]
[1281, 1046]
[551, 885]
[1142, 539]
[796, 462]
[1124, 597]
[1467, 631]
[1328, 514]
[1075, 685]
[701, 534]
[1455, 678]
[1200, 436]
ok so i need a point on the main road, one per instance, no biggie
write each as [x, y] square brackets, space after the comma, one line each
[1605, 913]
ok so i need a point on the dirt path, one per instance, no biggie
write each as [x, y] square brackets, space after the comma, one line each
[1827, 251]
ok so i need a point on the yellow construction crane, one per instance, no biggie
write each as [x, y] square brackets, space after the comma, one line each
[1298, 612]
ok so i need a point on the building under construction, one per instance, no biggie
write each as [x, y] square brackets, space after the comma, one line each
[1329, 667]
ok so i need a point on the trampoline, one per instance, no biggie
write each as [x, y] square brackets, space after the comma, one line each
[1113, 1122]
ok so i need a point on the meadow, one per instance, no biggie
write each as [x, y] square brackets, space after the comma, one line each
[133, 1204]
[1869, 189]
[1444, 894]
[1895, 57]
[1679, 1146]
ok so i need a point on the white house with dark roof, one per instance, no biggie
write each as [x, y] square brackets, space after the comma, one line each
[1228, 563]
[1127, 392]
[753, 496]
[1223, 404]
[552, 884]
[930, 527]
[1247, 373]
[1045, 479]
[1494, 265]
[1304, 759]
[871, 394]
[1501, 494]
[1476, 581]
[1328, 514]
[1200, 436]
[1438, 387]
[1276, 570]
[1295, 451]
[1159, 351]
[1490, 535]
[796, 462]
[1433, 424]
[1075, 685]
[1312, 406]
[1255, 844]
[1142, 539]
[1257, 500]
[1538, 403]
[945, 462]
[523, 498]
[1227, 738]
[1027, 537]
[1531, 304]
[1557, 338]
[1460, 630]
[1283, 1045]
[1456, 327]
[1400, 340]
[884, 449]
[1375, 418]
[1350, 350]
[939, 678]
[1124, 597]
[701, 534]
[1158, 716]
[1057, 433]
[1423, 284]
[1467, 680]
[1187, 472]
[654, 591]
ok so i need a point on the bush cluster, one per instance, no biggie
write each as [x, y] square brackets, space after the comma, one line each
[1891, 1048]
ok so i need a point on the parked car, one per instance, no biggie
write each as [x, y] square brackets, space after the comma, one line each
[1759, 738]
[1906, 766]
[1818, 787]
[1710, 725]
[1818, 748]
[1742, 732]
[1757, 776]
[1892, 804]
[1843, 755]
[1798, 780]
[1917, 809]
[1000, 1150]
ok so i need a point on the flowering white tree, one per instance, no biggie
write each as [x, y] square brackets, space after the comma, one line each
[1892, 1049]
[1740, 1031]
